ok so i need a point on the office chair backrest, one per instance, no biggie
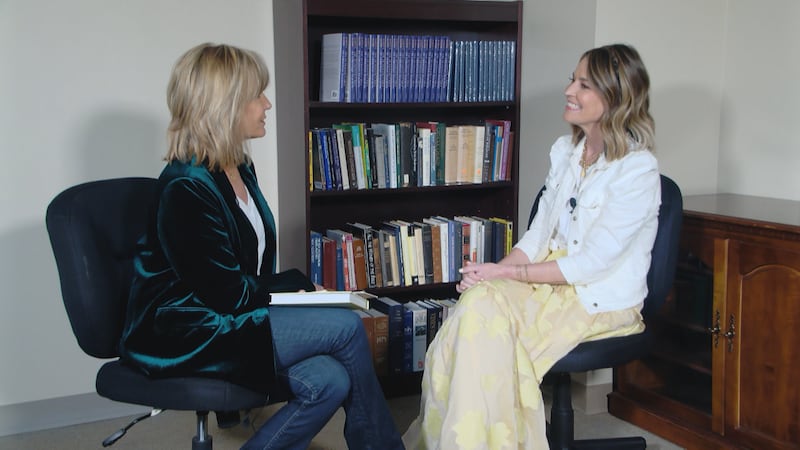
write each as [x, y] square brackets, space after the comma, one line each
[665, 248]
[93, 230]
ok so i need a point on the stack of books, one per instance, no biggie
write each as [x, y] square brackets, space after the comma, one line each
[406, 331]
[398, 333]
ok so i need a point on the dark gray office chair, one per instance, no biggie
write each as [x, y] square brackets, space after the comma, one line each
[93, 230]
[616, 351]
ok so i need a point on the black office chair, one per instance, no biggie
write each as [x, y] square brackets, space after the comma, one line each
[616, 351]
[93, 230]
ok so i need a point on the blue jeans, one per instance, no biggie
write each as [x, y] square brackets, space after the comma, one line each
[323, 356]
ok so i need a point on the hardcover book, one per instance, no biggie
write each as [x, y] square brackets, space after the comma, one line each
[368, 321]
[378, 262]
[432, 320]
[395, 313]
[344, 240]
[368, 235]
[330, 143]
[388, 259]
[440, 237]
[355, 176]
[329, 263]
[426, 258]
[342, 299]
[381, 341]
[436, 250]
[393, 259]
[419, 335]
[334, 67]
[316, 257]
[407, 148]
[360, 263]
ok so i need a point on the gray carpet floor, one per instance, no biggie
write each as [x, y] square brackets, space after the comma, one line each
[172, 430]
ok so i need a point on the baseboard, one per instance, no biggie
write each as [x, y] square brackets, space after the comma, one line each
[61, 412]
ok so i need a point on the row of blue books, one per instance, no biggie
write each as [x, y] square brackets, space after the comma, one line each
[391, 155]
[398, 253]
[392, 68]
[483, 71]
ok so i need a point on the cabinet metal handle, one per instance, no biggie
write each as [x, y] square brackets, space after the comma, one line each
[731, 333]
[715, 330]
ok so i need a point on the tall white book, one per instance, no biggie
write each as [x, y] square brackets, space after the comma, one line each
[334, 67]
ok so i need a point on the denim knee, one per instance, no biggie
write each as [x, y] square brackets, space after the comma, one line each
[337, 382]
[320, 379]
[349, 322]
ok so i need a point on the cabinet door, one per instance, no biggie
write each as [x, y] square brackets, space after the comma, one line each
[760, 343]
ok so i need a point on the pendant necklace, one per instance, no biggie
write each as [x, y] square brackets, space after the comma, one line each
[585, 164]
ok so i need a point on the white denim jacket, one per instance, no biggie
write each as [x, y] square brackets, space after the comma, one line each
[614, 224]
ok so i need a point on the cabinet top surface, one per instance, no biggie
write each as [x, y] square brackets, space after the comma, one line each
[746, 207]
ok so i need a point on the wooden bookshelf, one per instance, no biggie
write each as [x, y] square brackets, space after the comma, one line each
[459, 20]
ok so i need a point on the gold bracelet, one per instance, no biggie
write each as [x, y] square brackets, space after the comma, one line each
[526, 272]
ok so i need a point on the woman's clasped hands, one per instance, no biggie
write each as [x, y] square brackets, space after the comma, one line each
[473, 273]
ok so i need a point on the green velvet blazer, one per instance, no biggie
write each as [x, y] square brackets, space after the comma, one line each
[197, 307]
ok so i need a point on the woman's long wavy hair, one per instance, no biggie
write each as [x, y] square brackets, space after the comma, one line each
[619, 74]
[207, 92]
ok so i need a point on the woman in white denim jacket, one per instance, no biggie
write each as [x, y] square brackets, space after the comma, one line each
[578, 273]
[610, 232]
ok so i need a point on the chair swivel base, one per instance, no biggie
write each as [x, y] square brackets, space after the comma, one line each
[560, 430]
[622, 443]
[203, 440]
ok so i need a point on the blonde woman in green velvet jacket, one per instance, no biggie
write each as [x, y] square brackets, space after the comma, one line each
[199, 305]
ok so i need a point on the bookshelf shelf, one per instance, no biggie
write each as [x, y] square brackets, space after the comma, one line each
[409, 105]
[458, 20]
[415, 10]
[414, 190]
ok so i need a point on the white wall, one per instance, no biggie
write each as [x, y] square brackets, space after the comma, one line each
[682, 43]
[556, 33]
[82, 97]
[724, 85]
[759, 140]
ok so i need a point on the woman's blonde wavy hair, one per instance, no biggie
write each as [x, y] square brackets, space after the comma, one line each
[207, 92]
[619, 74]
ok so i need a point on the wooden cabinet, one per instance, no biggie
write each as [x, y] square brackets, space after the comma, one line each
[727, 363]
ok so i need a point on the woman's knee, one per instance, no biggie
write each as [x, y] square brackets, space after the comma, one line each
[348, 323]
[320, 378]
[336, 379]
[488, 298]
[481, 294]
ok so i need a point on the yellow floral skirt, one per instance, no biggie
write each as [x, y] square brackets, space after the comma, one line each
[480, 389]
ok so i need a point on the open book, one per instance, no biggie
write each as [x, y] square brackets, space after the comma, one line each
[342, 299]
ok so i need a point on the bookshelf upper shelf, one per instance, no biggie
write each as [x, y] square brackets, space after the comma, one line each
[479, 11]
[409, 105]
